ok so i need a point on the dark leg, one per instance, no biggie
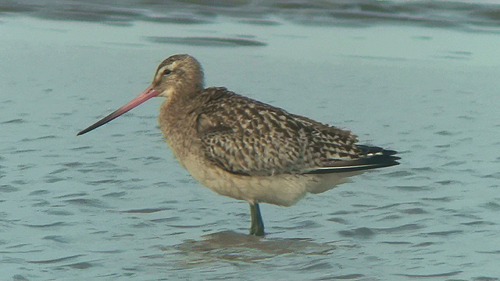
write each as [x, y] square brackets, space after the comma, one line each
[257, 227]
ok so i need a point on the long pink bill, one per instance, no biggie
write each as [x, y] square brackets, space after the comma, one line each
[144, 96]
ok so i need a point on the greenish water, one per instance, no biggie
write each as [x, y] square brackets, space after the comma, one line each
[114, 204]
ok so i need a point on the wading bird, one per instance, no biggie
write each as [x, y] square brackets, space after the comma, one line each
[249, 150]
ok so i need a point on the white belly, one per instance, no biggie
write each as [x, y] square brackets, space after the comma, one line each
[283, 190]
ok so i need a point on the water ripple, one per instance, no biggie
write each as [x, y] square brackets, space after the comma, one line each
[48, 225]
[208, 41]
[443, 14]
[146, 210]
[88, 202]
[13, 121]
[56, 260]
[362, 232]
[444, 274]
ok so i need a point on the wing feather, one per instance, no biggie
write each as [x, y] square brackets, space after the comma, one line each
[247, 137]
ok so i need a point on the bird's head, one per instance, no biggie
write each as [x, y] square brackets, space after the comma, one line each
[176, 76]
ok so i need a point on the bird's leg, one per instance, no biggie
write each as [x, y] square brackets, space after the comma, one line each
[257, 227]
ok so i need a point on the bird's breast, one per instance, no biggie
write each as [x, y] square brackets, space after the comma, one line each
[180, 133]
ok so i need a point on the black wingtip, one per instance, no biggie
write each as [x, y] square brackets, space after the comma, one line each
[368, 149]
[379, 157]
[373, 157]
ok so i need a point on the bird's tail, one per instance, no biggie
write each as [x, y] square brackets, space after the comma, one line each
[372, 157]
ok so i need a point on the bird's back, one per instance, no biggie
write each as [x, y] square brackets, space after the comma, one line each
[247, 137]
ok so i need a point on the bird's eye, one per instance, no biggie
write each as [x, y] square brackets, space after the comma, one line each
[167, 71]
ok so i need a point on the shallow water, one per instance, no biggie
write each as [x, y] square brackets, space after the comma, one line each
[114, 204]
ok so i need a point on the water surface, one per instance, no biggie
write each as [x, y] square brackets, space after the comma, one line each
[114, 204]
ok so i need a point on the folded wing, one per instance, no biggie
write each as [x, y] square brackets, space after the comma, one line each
[252, 138]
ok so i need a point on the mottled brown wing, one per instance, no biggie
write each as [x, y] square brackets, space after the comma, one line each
[247, 137]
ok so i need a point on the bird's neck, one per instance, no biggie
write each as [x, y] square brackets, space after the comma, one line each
[177, 119]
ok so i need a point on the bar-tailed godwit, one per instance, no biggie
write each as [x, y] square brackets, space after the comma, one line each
[249, 150]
